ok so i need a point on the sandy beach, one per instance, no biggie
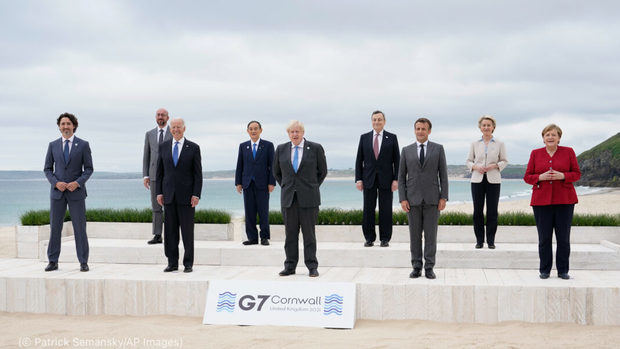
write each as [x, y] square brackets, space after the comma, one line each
[188, 332]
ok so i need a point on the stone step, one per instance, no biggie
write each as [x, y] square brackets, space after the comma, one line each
[457, 295]
[341, 254]
[211, 232]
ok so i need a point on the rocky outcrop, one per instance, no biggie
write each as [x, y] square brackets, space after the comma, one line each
[600, 166]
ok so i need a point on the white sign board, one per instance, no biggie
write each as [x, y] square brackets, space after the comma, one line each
[247, 302]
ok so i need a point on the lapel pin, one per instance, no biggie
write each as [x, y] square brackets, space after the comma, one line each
[308, 148]
[247, 147]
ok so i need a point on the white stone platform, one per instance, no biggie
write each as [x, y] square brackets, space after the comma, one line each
[343, 254]
[457, 295]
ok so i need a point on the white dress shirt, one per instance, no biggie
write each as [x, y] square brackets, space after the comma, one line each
[300, 152]
[181, 141]
[420, 148]
[252, 144]
[70, 143]
[374, 135]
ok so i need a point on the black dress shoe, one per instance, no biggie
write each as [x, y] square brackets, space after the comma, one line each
[287, 272]
[369, 244]
[84, 267]
[170, 268]
[479, 245]
[250, 242]
[264, 242]
[544, 275]
[155, 240]
[564, 276]
[429, 273]
[313, 273]
[491, 246]
[188, 270]
[51, 266]
[416, 273]
[385, 244]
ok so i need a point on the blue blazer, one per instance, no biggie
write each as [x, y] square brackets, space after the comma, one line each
[78, 169]
[386, 166]
[183, 180]
[259, 169]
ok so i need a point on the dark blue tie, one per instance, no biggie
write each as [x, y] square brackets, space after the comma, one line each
[421, 154]
[296, 159]
[161, 136]
[254, 151]
[66, 151]
[175, 153]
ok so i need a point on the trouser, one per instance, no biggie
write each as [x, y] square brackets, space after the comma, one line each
[77, 209]
[158, 211]
[256, 201]
[178, 215]
[423, 218]
[296, 217]
[490, 191]
[385, 213]
[550, 218]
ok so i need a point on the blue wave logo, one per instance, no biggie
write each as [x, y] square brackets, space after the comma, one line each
[226, 302]
[333, 305]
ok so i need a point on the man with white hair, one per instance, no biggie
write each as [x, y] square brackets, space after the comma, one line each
[179, 173]
[299, 167]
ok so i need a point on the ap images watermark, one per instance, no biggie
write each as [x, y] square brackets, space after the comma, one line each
[102, 342]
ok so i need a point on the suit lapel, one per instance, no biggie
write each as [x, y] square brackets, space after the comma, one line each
[304, 156]
[259, 150]
[384, 143]
[74, 148]
[429, 152]
[184, 152]
[415, 155]
[287, 157]
[59, 149]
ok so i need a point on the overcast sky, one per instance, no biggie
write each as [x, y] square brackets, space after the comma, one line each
[219, 64]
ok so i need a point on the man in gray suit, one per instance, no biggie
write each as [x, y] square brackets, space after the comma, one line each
[423, 192]
[152, 140]
[68, 165]
[300, 167]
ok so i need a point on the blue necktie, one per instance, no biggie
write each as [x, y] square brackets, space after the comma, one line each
[175, 153]
[254, 151]
[66, 151]
[296, 159]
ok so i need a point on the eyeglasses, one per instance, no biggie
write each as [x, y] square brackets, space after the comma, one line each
[162, 114]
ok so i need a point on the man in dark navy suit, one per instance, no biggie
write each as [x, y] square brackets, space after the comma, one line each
[254, 178]
[376, 172]
[179, 173]
[68, 165]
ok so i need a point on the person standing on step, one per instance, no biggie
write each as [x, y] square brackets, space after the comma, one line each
[254, 178]
[179, 171]
[486, 159]
[423, 192]
[376, 175]
[152, 139]
[300, 168]
[68, 165]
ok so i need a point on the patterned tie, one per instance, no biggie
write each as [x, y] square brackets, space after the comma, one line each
[254, 151]
[161, 136]
[66, 151]
[296, 159]
[375, 146]
[175, 153]
[421, 154]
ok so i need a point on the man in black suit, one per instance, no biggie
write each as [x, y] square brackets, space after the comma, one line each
[376, 172]
[179, 173]
[68, 165]
[254, 177]
[300, 167]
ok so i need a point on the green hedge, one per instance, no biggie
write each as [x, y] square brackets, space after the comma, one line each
[331, 216]
[42, 217]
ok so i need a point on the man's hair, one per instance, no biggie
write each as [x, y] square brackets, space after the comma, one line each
[377, 112]
[254, 121]
[424, 121]
[71, 117]
[295, 123]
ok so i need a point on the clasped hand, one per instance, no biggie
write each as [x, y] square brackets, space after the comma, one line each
[62, 186]
[551, 175]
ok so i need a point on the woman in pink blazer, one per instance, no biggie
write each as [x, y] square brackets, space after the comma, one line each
[551, 171]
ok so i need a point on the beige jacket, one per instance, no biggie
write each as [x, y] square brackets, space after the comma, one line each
[495, 154]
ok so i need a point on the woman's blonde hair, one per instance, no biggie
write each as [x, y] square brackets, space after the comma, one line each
[552, 127]
[487, 117]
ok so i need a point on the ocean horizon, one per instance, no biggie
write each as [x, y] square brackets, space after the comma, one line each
[22, 191]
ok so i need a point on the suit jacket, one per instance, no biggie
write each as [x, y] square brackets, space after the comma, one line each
[386, 165]
[79, 168]
[183, 181]
[260, 169]
[151, 149]
[553, 192]
[495, 154]
[423, 183]
[310, 174]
